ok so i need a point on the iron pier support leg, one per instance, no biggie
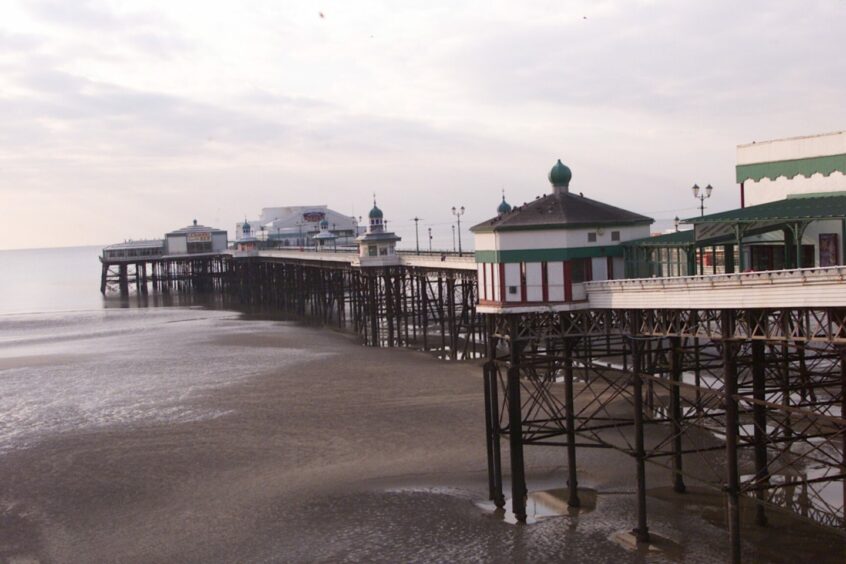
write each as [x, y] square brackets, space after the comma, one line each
[515, 433]
[676, 412]
[123, 280]
[572, 481]
[642, 530]
[492, 436]
[843, 414]
[732, 479]
[492, 421]
[762, 473]
[103, 277]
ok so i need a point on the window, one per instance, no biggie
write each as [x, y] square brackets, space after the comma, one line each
[200, 247]
[371, 251]
[581, 270]
[383, 251]
[591, 237]
[615, 235]
[512, 289]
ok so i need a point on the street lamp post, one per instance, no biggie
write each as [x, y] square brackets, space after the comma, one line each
[458, 213]
[676, 223]
[702, 197]
[416, 234]
[430, 240]
[453, 237]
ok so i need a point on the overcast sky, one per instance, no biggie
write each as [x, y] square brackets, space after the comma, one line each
[127, 119]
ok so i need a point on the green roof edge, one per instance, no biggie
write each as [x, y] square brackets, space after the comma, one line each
[806, 167]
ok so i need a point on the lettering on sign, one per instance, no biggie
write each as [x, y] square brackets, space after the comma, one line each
[313, 216]
[200, 237]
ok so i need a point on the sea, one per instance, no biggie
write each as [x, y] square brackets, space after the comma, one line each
[72, 359]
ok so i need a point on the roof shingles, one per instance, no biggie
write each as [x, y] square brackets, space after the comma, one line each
[561, 211]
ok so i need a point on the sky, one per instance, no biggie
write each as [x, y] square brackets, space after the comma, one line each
[123, 120]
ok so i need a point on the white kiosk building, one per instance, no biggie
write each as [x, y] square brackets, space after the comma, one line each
[377, 247]
[540, 254]
[324, 238]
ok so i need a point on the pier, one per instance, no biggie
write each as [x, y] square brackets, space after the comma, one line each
[744, 396]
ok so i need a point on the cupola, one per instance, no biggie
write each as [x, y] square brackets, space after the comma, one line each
[560, 176]
[504, 207]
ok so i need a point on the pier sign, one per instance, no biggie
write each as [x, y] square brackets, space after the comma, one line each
[200, 237]
[314, 216]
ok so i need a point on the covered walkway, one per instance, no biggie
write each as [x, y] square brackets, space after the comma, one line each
[801, 231]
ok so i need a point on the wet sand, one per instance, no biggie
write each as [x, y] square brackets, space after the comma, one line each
[363, 455]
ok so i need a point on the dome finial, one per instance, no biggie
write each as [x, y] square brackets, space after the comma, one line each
[560, 176]
[375, 213]
[504, 207]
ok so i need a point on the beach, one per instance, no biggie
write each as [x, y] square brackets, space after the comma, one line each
[342, 453]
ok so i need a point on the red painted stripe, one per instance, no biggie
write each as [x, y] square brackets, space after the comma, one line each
[568, 281]
[523, 282]
[502, 282]
[544, 283]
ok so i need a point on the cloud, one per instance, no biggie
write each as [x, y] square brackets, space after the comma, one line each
[660, 60]
[90, 15]
[147, 33]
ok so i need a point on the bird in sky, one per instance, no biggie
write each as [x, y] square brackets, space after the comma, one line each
[321, 15]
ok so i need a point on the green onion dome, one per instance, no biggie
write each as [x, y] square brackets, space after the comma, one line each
[560, 174]
[375, 213]
[504, 207]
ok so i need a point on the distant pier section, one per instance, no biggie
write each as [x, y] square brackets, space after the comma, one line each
[195, 257]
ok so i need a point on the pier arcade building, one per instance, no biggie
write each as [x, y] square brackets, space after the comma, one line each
[545, 251]
[792, 214]
[296, 226]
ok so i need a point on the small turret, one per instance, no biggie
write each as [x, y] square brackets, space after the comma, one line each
[504, 207]
[560, 176]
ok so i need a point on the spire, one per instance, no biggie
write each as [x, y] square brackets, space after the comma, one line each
[504, 206]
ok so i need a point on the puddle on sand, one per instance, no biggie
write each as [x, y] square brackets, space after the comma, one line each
[656, 545]
[543, 504]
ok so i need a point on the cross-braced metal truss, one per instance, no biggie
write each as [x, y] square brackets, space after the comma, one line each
[749, 402]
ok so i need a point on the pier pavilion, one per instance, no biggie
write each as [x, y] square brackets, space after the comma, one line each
[542, 253]
[193, 257]
[296, 226]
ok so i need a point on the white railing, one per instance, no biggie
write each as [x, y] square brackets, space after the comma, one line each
[445, 261]
[767, 277]
[325, 256]
[800, 287]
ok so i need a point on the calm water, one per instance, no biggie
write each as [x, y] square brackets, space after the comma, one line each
[71, 359]
[50, 280]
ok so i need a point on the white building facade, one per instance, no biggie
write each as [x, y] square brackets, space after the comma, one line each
[297, 225]
[540, 255]
[796, 167]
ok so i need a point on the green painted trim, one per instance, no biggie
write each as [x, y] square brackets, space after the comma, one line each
[790, 168]
[548, 255]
